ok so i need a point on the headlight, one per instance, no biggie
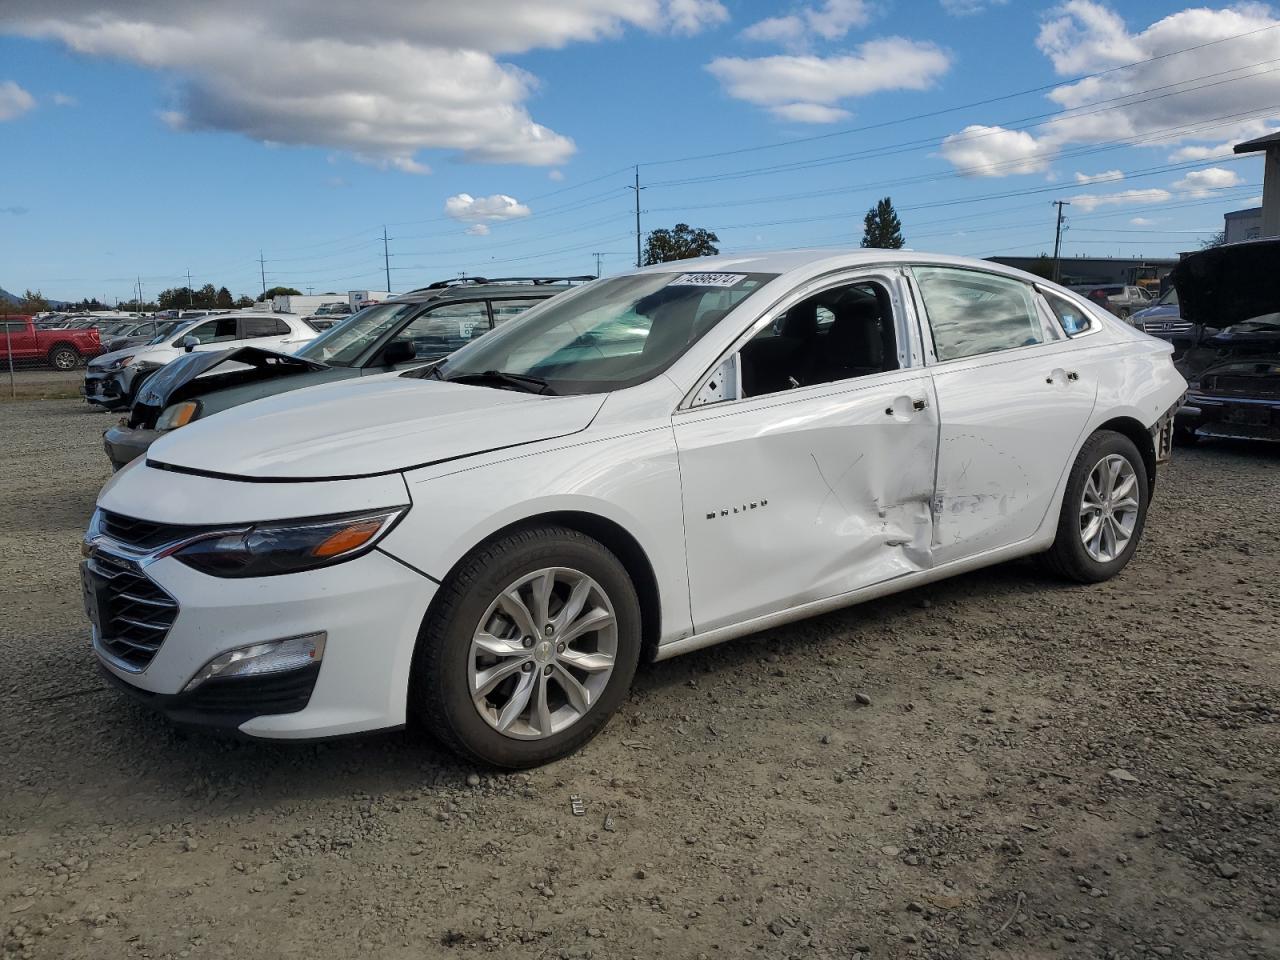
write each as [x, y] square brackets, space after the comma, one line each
[178, 415]
[271, 549]
[120, 362]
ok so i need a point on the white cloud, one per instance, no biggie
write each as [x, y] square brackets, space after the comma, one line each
[14, 101]
[64, 100]
[809, 113]
[477, 230]
[967, 8]
[978, 151]
[1106, 176]
[1091, 201]
[793, 86]
[831, 21]
[556, 175]
[498, 206]
[1196, 90]
[384, 79]
[1202, 183]
[1142, 222]
[1204, 151]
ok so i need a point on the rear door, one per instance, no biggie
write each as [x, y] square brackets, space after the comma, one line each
[215, 334]
[444, 328]
[1014, 395]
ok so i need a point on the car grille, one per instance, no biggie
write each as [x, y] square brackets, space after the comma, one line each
[1166, 327]
[144, 534]
[135, 614]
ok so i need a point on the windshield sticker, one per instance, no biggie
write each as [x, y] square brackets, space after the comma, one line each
[708, 279]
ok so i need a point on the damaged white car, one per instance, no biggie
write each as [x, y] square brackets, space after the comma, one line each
[646, 465]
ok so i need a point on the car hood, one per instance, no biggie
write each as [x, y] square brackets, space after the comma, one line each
[104, 360]
[267, 364]
[366, 427]
[1230, 284]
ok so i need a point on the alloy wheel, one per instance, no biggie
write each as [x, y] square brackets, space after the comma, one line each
[1109, 508]
[542, 653]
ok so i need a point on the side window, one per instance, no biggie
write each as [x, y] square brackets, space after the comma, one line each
[446, 328]
[973, 313]
[1074, 320]
[214, 331]
[251, 327]
[504, 310]
[835, 335]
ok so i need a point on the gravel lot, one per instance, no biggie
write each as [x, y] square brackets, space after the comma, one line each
[997, 766]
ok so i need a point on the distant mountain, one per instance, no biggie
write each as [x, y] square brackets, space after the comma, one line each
[7, 297]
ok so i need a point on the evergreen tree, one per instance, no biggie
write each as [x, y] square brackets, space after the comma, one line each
[881, 227]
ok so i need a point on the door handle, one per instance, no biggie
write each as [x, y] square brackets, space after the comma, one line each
[1072, 375]
[899, 406]
[919, 404]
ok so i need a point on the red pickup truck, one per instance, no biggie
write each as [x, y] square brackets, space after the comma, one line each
[61, 349]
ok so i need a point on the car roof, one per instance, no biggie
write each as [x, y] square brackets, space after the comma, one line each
[479, 289]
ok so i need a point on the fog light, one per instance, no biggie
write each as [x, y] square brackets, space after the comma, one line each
[274, 656]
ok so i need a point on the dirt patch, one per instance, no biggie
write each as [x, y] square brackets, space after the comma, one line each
[40, 384]
[996, 766]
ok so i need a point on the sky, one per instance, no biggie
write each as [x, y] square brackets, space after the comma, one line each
[149, 138]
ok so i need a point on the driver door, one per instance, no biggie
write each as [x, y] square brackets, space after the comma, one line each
[807, 458]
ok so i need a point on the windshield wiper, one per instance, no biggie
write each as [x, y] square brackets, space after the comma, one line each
[521, 381]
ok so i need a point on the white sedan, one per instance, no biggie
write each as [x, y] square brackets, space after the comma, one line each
[640, 467]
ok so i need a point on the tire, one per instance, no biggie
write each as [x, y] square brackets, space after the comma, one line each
[63, 357]
[448, 663]
[1070, 557]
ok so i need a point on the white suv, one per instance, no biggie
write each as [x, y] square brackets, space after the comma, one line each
[112, 379]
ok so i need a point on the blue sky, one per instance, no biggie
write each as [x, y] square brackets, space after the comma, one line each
[150, 138]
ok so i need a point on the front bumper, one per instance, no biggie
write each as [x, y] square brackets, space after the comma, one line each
[125, 444]
[1231, 418]
[370, 608]
[107, 388]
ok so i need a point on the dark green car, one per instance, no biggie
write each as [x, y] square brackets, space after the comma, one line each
[407, 331]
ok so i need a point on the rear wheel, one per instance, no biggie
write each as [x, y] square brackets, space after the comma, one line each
[63, 357]
[530, 648]
[1103, 510]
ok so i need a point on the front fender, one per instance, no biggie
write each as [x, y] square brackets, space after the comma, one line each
[632, 481]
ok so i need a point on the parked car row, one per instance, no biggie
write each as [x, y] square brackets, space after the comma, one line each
[21, 340]
[1122, 299]
[112, 379]
[636, 468]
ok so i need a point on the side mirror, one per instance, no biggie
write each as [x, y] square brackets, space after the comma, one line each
[189, 343]
[398, 351]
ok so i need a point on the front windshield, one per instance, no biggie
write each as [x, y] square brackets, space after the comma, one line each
[614, 333]
[168, 330]
[344, 344]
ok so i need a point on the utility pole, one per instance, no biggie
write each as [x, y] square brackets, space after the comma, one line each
[386, 257]
[637, 188]
[262, 268]
[191, 296]
[599, 257]
[1057, 240]
[139, 294]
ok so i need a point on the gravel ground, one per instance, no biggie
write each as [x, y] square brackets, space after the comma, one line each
[32, 382]
[997, 766]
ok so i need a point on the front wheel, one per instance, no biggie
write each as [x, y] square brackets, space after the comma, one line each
[529, 649]
[1103, 510]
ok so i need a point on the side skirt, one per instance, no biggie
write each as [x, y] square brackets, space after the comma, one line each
[812, 609]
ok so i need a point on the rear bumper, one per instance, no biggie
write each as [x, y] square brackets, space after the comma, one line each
[125, 444]
[1231, 418]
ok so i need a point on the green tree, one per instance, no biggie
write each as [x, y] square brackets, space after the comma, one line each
[881, 227]
[280, 292]
[1215, 240]
[33, 301]
[679, 243]
[207, 296]
[242, 301]
[223, 299]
